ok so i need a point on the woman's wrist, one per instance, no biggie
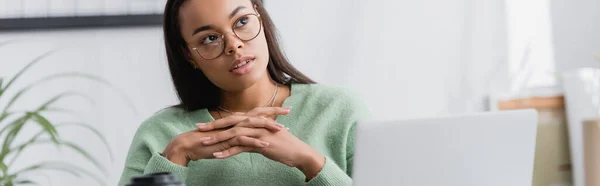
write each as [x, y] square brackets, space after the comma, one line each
[176, 156]
[311, 165]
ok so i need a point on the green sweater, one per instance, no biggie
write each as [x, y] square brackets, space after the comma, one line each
[322, 116]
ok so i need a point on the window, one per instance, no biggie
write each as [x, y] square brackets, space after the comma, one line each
[531, 60]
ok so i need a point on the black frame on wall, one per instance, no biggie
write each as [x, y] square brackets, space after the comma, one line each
[75, 22]
[99, 21]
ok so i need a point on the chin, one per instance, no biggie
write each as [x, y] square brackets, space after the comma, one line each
[250, 79]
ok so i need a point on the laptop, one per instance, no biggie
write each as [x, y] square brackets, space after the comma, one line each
[480, 149]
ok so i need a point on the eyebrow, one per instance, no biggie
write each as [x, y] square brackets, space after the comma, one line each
[208, 27]
[203, 28]
[235, 11]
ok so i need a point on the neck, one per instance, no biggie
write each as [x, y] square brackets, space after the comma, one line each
[257, 95]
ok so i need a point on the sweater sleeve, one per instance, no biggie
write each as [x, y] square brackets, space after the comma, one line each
[331, 175]
[157, 163]
[144, 158]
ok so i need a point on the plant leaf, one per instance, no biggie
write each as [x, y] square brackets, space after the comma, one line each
[29, 143]
[3, 116]
[27, 88]
[54, 165]
[68, 144]
[26, 182]
[42, 107]
[7, 178]
[3, 166]
[46, 109]
[33, 141]
[47, 179]
[84, 76]
[95, 131]
[52, 100]
[8, 183]
[86, 155]
[11, 124]
[69, 112]
[36, 60]
[12, 100]
[47, 126]
[61, 166]
[60, 96]
[100, 80]
[16, 127]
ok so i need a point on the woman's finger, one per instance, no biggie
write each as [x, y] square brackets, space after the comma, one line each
[234, 132]
[250, 122]
[247, 142]
[269, 111]
[221, 123]
[193, 139]
[238, 145]
[261, 122]
[232, 152]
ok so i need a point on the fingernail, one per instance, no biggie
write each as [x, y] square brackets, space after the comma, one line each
[288, 108]
[217, 154]
[280, 125]
[201, 125]
[287, 128]
[206, 142]
[264, 143]
[204, 138]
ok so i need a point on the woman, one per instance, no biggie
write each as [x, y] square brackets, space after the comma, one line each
[247, 116]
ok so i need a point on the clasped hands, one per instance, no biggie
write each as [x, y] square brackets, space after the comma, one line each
[253, 132]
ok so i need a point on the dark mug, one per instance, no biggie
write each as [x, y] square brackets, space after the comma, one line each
[156, 179]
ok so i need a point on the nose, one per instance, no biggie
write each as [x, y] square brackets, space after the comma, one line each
[233, 44]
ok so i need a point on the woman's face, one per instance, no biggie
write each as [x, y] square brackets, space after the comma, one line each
[230, 32]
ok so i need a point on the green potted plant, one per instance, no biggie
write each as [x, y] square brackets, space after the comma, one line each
[12, 123]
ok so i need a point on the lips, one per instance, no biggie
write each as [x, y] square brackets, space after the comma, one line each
[240, 62]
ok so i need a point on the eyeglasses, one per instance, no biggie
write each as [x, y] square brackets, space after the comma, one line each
[211, 46]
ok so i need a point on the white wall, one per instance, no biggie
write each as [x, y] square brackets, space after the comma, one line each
[405, 58]
[576, 33]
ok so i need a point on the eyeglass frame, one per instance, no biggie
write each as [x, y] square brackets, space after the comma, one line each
[224, 41]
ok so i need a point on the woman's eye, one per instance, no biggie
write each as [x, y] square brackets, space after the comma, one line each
[241, 22]
[209, 39]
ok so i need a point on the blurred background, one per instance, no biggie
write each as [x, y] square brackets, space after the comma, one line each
[404, 58]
